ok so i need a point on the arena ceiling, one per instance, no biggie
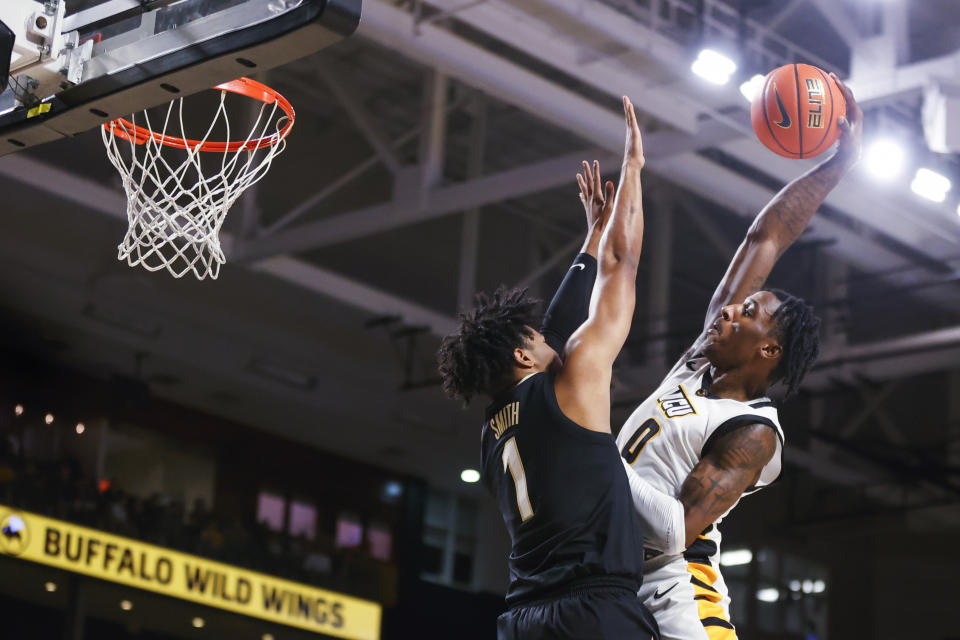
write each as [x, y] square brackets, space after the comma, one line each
[434, 154]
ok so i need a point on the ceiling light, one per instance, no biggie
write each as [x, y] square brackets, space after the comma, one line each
[470, 475]
[48, 418]
[713, 67]
[752, 87]
[884, 159]
[198, 623]
[769, 594]
[392, 489]
[126, 605]
[794, 585]
[50, 586]
[736, 557]
[18, 410]
[80, 428]
[930, 185]
[808, 586]
[819, 586]
[266, 636]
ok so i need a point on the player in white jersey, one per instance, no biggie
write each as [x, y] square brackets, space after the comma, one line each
[709, 434]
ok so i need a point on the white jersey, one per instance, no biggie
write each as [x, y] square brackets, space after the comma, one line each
[663, 440]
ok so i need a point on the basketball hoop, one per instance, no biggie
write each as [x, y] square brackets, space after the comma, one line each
[176, 206]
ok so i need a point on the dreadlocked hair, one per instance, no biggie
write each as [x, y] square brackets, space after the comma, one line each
[797, 329]
[478, 357]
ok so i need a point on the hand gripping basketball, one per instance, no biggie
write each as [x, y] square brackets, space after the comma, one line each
[851, 127]
[797, 113]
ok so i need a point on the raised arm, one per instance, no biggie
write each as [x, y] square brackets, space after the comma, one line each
[784, 219]
[583, 384]
[571, 303]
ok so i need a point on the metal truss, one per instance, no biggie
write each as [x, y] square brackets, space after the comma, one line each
[715, 20]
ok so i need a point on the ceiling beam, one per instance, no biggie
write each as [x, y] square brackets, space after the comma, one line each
[554, 103]
[896, 26]
[566, 252]
[433, 140]
[354, 293]
[922, 227]
[316, 198]
[67, 185]
[600, 73]
[787, 10]
[876, 84]
[491, 73]
[109, 201]
[470, 225]
[898, 214]
[513, 183]
[455, 198]
[833, 13]
[881, 360]
[358, 114]
[471, 194]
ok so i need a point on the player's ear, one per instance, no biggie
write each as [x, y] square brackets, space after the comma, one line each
[771, 350]
[523, 358]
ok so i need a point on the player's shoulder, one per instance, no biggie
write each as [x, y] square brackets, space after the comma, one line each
[727, 416]
[723, 410]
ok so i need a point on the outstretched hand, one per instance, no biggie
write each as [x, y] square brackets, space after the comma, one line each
[633, 150]
[596, 197]
[851, 138]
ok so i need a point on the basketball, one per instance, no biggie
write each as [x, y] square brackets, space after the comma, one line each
[795, 114]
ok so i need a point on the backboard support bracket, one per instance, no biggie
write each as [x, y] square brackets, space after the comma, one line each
[112, 87]
[111, 12]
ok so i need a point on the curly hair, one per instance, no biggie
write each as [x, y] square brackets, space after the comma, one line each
[478, 357]
[797, 329]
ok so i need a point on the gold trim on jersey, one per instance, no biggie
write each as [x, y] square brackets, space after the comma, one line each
[679, 406]
[711, 612]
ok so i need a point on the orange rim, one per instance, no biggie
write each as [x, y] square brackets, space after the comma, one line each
[126, 130]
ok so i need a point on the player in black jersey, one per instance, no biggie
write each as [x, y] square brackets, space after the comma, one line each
[548, 455]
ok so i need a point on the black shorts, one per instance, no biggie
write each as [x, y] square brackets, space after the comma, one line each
[586, 613]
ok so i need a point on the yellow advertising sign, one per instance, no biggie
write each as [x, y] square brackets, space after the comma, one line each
[145, 566]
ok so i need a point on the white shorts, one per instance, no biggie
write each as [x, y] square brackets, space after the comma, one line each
[689, 600]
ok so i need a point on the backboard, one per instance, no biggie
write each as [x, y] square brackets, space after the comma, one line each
[76, 64]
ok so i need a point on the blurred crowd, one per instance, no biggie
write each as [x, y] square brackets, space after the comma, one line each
[60, 490]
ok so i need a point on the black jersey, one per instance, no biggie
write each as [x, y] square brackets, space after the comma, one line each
[563, 494]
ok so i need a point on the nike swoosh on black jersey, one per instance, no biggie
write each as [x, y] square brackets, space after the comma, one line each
[659, 595]
[784, 116]
[580, 265]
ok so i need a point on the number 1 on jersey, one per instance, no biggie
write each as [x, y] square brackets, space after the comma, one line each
[511, 461]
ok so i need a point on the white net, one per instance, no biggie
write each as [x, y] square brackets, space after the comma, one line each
[179, 190]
